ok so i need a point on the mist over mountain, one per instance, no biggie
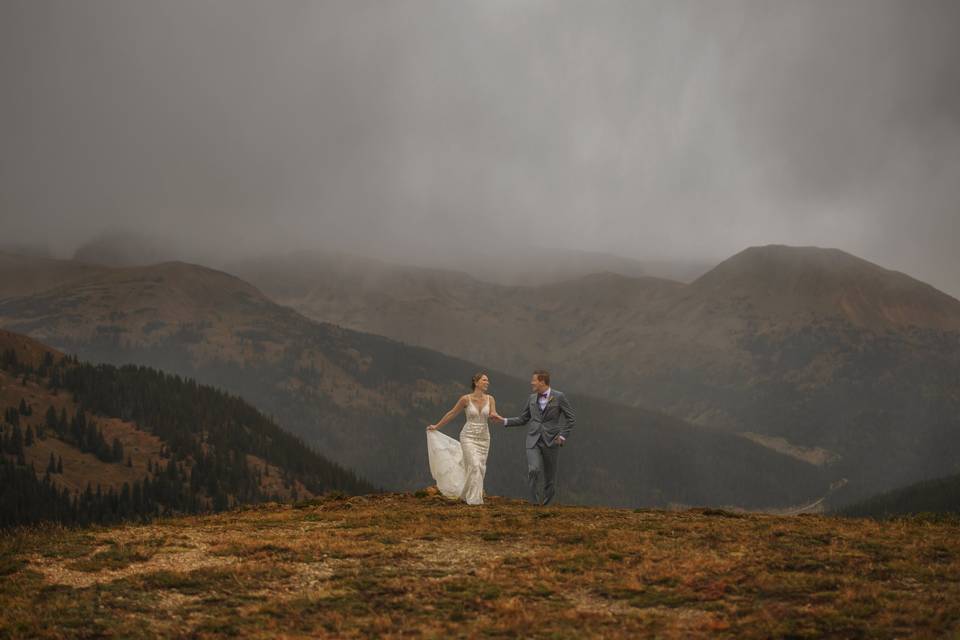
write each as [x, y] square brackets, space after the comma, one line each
[503, 264]
[126, 248]
[649, 130]
[26, 249]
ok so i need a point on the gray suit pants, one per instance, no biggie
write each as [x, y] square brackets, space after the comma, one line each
[542, 461]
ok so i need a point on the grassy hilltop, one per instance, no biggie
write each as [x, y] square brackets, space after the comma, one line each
[394, 565]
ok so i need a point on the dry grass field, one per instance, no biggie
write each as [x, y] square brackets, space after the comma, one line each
[401, 565]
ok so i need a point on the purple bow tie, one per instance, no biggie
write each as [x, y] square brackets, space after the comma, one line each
[542, 395]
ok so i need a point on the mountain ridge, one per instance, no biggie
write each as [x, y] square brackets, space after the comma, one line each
[367, 397]
[796, 280]
[813, 347]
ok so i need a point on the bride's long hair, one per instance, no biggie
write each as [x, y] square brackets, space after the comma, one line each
[475, 380]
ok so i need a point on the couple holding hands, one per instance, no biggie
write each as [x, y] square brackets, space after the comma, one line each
[459, 467]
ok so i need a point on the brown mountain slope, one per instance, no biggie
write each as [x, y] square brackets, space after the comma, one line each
[365, 400]
[141, 447]
[125, 302]
[79, 468]
[798, 284]
[27, 349]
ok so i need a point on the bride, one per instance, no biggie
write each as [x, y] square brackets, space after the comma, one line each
[459, 467]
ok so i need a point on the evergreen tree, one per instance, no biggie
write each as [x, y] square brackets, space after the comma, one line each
[50, 418]
[9, 360]
[59, 464]
[28, 436]
[16, 441]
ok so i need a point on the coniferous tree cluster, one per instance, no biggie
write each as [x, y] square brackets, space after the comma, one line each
[172, 407]
[204, 465]
[12, 442]
[55, 466]
[87, 435]
[24, 499]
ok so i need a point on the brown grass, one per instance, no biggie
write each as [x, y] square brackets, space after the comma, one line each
[398, 565]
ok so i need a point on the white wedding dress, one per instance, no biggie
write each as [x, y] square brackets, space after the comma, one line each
[459, 466]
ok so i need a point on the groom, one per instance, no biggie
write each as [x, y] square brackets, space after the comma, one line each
[545, 434]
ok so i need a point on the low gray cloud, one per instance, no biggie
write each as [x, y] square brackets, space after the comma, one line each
[648, 129]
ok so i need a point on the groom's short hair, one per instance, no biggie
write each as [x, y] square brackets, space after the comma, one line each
[543, 376]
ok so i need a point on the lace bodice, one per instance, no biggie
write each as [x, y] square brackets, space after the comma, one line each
[478, 417]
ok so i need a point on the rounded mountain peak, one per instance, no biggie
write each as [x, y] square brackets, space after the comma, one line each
[782, 280]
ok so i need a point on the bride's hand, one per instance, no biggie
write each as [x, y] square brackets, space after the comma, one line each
[431, 427]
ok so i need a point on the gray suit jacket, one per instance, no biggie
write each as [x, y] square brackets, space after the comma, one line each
[548, 423]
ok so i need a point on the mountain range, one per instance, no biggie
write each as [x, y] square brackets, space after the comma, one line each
[812, 351]
[363, 400]
[813, 354]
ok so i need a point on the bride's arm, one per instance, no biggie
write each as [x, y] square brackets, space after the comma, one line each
[493, 410]
[450, 415]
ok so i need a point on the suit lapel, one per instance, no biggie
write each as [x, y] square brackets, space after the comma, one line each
[551, 399]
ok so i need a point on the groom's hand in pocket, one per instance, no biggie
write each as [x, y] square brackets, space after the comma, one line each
[561, 440]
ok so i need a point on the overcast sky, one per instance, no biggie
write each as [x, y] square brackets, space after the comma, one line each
[646, 129]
